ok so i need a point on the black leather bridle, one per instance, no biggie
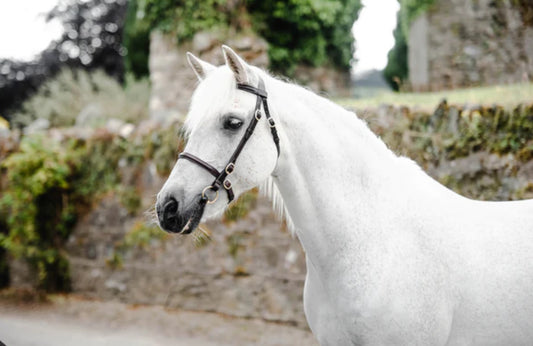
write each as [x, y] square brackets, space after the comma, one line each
[221, 176]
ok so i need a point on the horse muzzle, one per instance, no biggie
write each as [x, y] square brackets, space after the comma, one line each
[172, 220]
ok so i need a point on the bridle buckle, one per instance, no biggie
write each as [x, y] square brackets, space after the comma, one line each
[227, 184]
[230, 168]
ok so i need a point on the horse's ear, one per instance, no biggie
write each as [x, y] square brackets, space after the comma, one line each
[200, 67]
[238, 66]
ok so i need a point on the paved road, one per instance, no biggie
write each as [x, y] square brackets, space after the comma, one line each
[35, 329]
[74, 321]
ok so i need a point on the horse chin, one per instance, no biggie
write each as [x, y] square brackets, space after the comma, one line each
[191, 224]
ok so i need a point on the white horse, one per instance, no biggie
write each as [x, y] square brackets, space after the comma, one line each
[393, 257]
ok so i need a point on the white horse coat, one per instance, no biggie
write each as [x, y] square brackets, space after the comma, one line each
[393, 257]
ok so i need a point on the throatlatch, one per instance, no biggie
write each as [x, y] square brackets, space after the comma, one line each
[221, 176]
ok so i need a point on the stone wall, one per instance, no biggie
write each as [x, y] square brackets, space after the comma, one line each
[461, 43]
[252, 267]
[173, 81]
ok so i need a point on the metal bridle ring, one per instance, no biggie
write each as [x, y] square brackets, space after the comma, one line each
[207, 198]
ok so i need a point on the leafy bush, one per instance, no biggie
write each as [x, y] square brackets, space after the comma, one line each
[46, 185]
[37, 209]
[62, 99]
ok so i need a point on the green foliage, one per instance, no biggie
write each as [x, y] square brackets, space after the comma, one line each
[136, 40]
[235, 243]
[130, 198]
[186, 17]
[139, 237]
[312, 32]
[63, 98]
[241, 207]
[142, 235]
[37, 207]
[410, 9]
[164, 147]
[397, 69]
[452, 132]
[47, 184]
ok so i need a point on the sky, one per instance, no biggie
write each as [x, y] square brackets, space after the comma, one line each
[24, 32]
[373, 34]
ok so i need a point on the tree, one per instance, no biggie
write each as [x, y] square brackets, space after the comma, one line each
[93, 34]
[397, 70]
[136, 41]
[92, 40]
[306, 32]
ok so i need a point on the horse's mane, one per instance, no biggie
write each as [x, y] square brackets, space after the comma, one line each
[270, 190]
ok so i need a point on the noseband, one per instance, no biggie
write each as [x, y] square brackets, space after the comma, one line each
[221, 176]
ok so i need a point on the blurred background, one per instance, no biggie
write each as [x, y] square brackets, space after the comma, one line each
[92, 97]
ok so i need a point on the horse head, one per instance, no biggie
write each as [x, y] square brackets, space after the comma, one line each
[230, 147]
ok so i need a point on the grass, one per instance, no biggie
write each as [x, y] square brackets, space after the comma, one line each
[504, 95]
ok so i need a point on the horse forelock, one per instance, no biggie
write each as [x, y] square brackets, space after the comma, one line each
[211, 95]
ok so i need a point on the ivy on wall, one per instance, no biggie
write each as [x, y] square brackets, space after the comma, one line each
[410, 9]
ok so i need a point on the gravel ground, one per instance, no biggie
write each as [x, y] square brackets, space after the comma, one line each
[70, 320]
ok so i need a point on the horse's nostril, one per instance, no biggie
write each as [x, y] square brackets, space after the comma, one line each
[170, 208]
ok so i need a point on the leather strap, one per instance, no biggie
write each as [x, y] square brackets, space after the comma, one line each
[253, 90]
[261, 93]
[200, 162]
[220, 176]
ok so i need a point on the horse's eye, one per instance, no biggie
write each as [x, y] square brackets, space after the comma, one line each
[232, 123]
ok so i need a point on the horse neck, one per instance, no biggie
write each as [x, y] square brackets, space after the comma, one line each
[331, 168]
